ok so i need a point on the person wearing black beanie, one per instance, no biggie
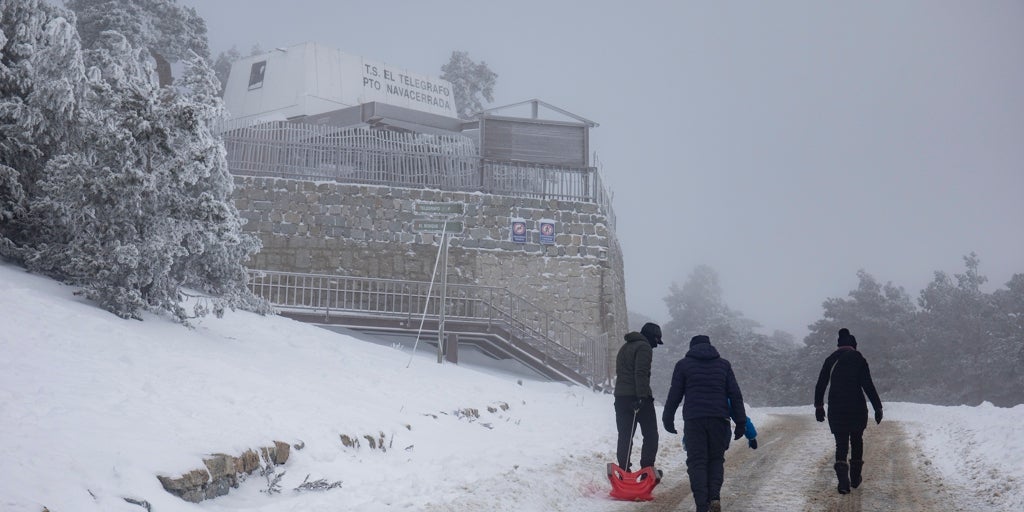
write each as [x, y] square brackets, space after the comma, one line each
[846, 339]
[848, 378]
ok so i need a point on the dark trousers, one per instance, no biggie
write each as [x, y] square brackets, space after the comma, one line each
[706, 442]
[648, 421]
[849, 442]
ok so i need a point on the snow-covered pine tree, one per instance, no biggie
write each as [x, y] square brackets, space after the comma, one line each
[956, 330]
[222, 66]
[1008, 342]
[199, 172]
[470, 81]
[140, 209]
[41, 79]
[164, 28]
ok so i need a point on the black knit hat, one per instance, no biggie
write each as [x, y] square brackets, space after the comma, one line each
[846, 339]
[652, 332]
[698, 339]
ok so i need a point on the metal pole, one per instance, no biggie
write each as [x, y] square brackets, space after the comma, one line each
[444, 294]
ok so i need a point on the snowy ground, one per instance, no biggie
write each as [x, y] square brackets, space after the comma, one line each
[92, 408]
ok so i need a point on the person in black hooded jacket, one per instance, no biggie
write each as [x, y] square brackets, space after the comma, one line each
[634, 400]
[846, 375]
[712, 396]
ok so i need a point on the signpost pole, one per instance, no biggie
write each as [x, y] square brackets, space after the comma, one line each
[444, 296]
[446, 225]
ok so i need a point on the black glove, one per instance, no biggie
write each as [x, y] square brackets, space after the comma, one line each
[741, 428]
[752, 443]
[878, 416]
[819, 413]
[637, 404]
[670, 426]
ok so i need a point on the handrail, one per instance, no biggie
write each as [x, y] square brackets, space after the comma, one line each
[394, 298]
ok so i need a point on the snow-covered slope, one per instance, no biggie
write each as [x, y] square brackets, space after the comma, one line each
[93, 407]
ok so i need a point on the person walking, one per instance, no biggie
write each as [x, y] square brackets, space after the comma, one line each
[634, 400]
[846, 375]
[750, 431]
[712, 395]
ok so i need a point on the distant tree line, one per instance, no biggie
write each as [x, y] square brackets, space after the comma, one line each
[955, 345]
[111, 177]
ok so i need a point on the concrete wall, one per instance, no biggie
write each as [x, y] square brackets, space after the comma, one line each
[366, 231]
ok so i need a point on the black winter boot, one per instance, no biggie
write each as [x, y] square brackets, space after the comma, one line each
[843, 473]
[855, 467]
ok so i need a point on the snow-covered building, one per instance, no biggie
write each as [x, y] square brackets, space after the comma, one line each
[339, 162]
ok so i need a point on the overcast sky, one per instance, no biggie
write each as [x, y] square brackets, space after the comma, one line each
[785, 144]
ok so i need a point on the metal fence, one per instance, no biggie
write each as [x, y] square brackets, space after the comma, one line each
[359, 155]
[304, 151]
[482, 305]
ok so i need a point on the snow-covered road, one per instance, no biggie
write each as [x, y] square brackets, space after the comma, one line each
[792, 470]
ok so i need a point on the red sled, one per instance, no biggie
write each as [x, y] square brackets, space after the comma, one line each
[636, 486]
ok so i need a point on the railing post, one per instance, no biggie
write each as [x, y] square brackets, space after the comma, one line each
[586, 185]
[490, 309]
[484, 185]
[327, 312]
[544, 183]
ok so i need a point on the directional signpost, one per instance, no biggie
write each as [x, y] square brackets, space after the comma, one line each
[445, 223]
[441, 208]
[437, 226]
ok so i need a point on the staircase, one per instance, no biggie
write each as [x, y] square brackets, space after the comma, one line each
[507, 323]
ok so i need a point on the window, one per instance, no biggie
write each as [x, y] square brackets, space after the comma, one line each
[256, 74]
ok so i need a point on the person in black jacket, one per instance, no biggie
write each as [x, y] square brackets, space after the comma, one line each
[848, 378]
[634, 401]
[712, 395]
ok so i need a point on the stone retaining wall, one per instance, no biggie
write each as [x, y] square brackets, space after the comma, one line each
[222, 472]
[367, 231]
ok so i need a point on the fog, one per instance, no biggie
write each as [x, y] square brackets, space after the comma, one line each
[785, 144]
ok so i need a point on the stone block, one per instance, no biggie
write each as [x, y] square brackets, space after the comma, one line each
[281, 452]
[192, 479]
[220, 465]
[219, 487]
[248, 462]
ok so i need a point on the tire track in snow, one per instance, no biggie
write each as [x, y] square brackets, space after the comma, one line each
[767, 479]
[792, 470]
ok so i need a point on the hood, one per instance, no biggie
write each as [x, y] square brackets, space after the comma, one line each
[634, 336]
[703, 351]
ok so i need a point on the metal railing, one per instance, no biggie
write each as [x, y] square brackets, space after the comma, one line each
[304, 151]
[378, 157]
[481, 305]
